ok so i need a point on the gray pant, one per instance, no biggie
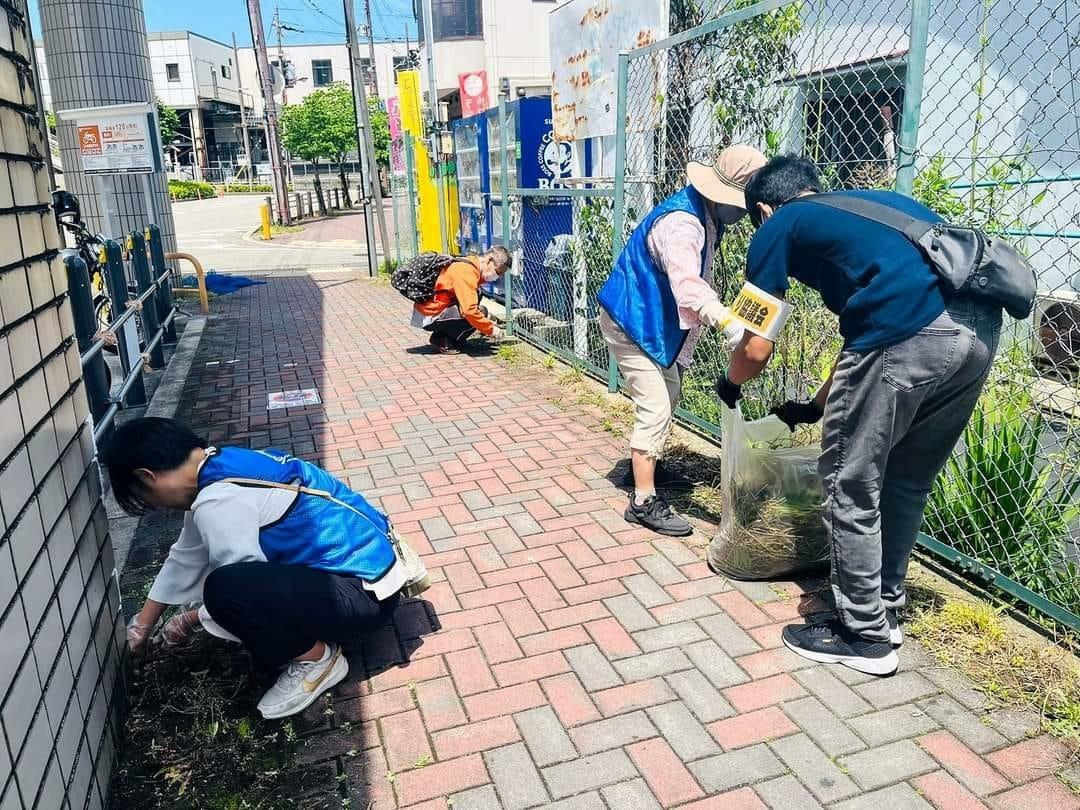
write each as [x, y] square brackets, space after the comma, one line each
[891, 421]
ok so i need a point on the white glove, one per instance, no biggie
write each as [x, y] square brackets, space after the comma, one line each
[496, 335]
[720, 317]
[138, 634]
[179, 628]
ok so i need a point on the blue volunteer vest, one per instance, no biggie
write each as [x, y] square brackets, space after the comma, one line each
[345, 535]
[637, 295]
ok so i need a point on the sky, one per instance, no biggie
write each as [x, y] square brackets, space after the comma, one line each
[319, 21]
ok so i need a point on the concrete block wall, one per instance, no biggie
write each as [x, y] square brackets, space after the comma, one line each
[61, 633]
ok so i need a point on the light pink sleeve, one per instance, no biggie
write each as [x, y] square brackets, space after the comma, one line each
[675, 243]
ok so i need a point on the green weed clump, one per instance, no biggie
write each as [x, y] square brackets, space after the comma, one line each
[1010, 668]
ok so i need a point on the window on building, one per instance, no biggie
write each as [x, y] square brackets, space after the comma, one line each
[172, 71]
[322, 72]
[852, 120]
[454, 19]
[226, 72]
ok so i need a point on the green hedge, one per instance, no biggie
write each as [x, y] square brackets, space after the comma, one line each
[191, 190]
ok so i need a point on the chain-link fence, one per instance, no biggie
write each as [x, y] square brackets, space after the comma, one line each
[561, 241]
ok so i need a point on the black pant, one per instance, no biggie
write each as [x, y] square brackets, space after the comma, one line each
[280, 611]
[457, 330]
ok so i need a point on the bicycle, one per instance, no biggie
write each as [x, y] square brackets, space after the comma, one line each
[91, 249]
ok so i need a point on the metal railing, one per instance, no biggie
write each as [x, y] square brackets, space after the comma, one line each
[140, 325]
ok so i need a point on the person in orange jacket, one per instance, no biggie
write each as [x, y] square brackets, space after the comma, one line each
[453, 313]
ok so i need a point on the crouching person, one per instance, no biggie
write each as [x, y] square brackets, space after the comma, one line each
[453, 312]
[284, 558]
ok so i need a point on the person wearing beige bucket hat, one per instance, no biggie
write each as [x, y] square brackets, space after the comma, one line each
[655, 303]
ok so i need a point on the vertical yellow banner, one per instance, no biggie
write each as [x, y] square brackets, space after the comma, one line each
[409, 96]
[427, 216]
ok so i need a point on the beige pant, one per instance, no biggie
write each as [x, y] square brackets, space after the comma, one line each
[654, 390]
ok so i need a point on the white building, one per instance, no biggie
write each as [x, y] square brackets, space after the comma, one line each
[507, 38]
[317, 66]
[196, 76]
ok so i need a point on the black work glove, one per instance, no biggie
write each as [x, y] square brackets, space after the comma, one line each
[793, 413]
[728, 392]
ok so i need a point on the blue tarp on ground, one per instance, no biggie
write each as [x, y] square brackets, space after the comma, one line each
[221, 283]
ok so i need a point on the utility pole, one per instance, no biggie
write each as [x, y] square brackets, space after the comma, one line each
[371, 49]
[276, 24]
[369, 167]
[433, 105]
[243, 112]
[273, 142]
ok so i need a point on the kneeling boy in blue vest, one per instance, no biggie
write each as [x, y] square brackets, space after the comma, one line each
[655, 303]
[285, 558]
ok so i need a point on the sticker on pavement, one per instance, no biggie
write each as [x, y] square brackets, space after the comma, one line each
[292, 399]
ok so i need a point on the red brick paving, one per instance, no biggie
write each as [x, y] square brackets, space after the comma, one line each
[506, 497]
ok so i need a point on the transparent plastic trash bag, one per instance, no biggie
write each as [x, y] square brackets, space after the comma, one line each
[772, 503]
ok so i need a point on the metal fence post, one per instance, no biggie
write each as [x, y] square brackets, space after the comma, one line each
[913, 96]
[149, 311]
[504, 189]
[82, 312]
[410, 173]
[164, 293]
[397, 225]
[619, 203]
[311, 205]
[116, 279]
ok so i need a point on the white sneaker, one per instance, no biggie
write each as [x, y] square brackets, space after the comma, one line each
[302, 682]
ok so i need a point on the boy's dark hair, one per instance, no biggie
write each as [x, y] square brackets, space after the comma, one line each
[781, 179]
[149, 443]
[502, 258]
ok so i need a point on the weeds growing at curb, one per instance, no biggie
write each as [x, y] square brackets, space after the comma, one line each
[1008, 666]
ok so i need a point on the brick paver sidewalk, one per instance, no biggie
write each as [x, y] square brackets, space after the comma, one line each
[564, 658]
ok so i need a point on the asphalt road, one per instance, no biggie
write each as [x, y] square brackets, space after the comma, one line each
[218, 232]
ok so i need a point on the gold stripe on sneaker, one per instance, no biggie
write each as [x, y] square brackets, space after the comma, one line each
[311, 686]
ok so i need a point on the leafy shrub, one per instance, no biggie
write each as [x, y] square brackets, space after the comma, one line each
[1004, 500]
[191, 190]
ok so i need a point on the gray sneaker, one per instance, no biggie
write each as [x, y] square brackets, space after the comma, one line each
[656, 514]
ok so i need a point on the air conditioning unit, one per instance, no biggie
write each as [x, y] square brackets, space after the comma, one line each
[1056, 352]
[1057, 331]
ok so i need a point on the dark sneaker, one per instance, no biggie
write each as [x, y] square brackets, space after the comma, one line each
[443, 345]
[896, 637]
[831, 643]
[663, 478]
[655, 514]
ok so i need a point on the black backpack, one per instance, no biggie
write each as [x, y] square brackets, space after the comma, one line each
[416, 278]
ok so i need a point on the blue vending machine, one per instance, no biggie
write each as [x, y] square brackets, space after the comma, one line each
[471, 150]
[535, 160]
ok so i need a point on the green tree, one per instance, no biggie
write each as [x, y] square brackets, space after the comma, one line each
[168, 122]
[308, 130]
